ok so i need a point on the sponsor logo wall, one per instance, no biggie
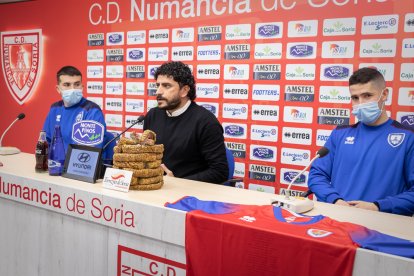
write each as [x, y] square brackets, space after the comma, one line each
[278, 87]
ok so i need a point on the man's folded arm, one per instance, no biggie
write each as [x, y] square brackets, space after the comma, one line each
[214, 152]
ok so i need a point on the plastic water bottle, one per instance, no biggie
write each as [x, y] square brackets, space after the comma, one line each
[42, 152]
[57, 153]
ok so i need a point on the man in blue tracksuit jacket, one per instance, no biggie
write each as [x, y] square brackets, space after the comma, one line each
[370, 164]
[81, 121]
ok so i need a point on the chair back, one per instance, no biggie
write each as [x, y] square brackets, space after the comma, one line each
[230, 162]
[108, 153]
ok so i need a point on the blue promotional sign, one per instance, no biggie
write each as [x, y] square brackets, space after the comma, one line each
[88, 133]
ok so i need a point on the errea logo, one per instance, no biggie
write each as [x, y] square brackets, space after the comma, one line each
[236, 91]
[248, 218]
[265, 112]
[208, 71]
[114, 104]
[182, 53]
[94, 87]
[159, 36]
[300, 136]
[129, 120]
[349, 140]
[409, 23]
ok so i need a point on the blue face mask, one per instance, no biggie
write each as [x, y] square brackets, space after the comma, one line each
[71, 96]
[368, 113]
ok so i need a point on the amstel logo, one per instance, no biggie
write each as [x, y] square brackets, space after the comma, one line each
[21, 57]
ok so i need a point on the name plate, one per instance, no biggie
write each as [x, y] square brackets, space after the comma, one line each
[115, 179]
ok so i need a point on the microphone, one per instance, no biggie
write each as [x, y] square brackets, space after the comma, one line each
[102, 164]
[10, 150]
[139, 120]
[299, 204]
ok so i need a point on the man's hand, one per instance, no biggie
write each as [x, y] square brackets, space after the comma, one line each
[364, 205]
[342, 202]
[167, 171]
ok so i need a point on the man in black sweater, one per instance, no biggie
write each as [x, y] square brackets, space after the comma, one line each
[192, 136]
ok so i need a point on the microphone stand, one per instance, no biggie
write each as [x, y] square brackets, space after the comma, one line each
[102, 163]
[10, 150]
[299, 204]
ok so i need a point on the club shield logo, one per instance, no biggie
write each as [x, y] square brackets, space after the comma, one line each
[21, 57]
[395, 139]
[318, 233]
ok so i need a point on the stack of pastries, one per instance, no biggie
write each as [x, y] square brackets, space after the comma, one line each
[142, 156]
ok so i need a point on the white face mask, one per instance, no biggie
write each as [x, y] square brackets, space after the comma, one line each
[71, 96]
[368, 113]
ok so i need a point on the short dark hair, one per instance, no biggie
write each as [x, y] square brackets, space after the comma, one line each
[68, 71]
[181, 73]
[365, 75]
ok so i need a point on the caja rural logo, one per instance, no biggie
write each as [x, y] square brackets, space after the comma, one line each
[21, 55]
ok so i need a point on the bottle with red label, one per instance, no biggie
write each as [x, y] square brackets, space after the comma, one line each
[42, 150]
[56, 153]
